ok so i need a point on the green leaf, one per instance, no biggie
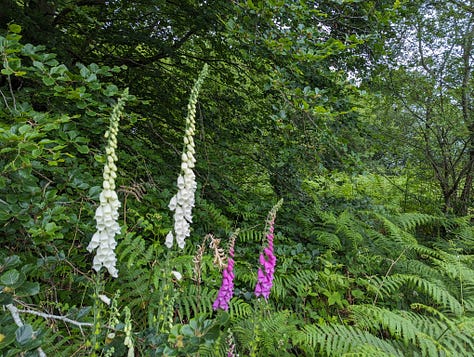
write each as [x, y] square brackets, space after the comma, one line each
[7, 336]
[10, 277]
[24, 334]
[91, 78]
[36, 152]
[83, 311]
[334, 298]
[14, 63]
[110, 90]
[14, 28]
[48, 81]
[29, 49]
[187, 331]
[94, 67]
[358, 294]
[84, 72]
[24, 128]
[11, 261]
[13, 37]
[28, 289]
[58, 69]
[83, 149]
[50, 227]
[38, 65]
[5, 297]
[52, 62]
[7, 71]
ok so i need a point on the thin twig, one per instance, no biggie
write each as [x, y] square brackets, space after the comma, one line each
[11, 91]
[5, 100]
[57, 317]
[386, 274]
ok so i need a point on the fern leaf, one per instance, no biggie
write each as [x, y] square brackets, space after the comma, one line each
[239, 309]
[337, 340]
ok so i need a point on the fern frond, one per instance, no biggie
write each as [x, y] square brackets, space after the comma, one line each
[437, 293]
[136, 292]
[337, 340]
[383, 321]
[276, 331]
[453, 267]
[215, 219]
[392, 283]
[195, 300]
[418, 267]
[217, 349]
[184, 264]
[268, 336]
[251, 235]
[133, 251]
[239, 309]
[296, 283]
[300, 281]
[375, 319]
[327, 239]
[465, 236]
[455, 336]
[409, 221]
[396, 233]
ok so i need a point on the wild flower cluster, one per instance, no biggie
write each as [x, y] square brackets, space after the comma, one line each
[106, 215]
[267, 258]
[227, 288]
[183, 202]
[265, 274]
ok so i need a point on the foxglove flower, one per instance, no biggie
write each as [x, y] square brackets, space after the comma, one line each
[106, 215]
[267, 259]
[183, 202]
[227, 288]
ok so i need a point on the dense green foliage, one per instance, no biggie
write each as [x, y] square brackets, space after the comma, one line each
[357, 114]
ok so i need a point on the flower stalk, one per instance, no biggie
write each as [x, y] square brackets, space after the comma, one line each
[106, 215]
[227, 288]
[183, 202]
[267, 258]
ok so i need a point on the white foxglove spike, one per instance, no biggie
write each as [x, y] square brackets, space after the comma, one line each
[183, 202]
[106, 215]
